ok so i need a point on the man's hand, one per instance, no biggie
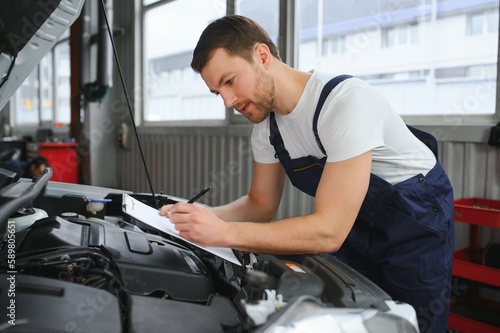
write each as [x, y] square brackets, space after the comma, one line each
[165, 210]
[196, 223]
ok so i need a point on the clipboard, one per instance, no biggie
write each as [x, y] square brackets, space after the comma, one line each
[152, 217]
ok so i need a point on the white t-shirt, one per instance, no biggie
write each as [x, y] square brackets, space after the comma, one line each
[355, 119]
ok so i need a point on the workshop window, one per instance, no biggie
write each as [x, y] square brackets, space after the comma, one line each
[62, 73]
[47, 88]
[400, 36]
[482, 23]
[44, 96]
[333, 45]
[265, 13]
[407, 49]
[173, 91]
[26, 101]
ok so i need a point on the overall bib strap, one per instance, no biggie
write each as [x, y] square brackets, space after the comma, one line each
[329, 86]
[275, 136]
[304, 172]
[428, 139]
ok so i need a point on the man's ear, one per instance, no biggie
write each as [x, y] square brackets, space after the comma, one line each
[263, 55]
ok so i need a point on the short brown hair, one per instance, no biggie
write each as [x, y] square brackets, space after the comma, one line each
[234, 33]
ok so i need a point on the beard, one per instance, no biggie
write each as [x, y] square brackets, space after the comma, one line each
[264, 97]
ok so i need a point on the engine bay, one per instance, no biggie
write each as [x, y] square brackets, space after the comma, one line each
[69, 265]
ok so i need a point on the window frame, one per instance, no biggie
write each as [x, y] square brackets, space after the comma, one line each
[484, 16]
[289, 50]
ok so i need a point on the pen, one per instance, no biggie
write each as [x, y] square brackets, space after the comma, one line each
[199, 195]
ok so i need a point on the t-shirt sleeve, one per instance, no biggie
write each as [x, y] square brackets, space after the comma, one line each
[352, 121]
[263, 151]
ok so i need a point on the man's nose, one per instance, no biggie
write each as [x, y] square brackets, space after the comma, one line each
[229, 99]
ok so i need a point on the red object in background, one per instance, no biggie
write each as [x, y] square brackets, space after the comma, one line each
[63, 159]
[477, 212]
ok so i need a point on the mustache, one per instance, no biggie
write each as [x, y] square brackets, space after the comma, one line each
[240, 107]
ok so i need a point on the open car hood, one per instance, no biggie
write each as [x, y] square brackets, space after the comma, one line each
[28, 31]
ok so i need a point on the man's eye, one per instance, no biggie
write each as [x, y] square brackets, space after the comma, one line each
[230, 82]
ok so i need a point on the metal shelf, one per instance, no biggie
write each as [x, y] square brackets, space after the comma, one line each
[477, 213]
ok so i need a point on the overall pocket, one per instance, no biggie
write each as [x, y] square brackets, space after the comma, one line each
[305, 173]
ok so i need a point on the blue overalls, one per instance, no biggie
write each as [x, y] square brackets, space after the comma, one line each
[403, 236]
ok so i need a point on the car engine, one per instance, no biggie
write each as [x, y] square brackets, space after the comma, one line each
[67, 267]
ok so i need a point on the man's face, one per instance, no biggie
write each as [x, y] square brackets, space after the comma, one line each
[37, 171]
[242, 85]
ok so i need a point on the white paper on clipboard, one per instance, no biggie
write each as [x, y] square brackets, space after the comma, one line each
[152, 217]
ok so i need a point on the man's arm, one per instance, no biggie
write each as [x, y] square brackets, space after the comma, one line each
[262, 201]
[341, 192]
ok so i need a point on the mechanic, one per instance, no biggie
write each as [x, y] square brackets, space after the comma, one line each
[31, 169]
[35, 167]
[383, 202]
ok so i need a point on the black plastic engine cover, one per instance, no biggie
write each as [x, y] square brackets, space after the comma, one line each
[147, 263]
[38, 304]
[150, 314]
[331, 280]
[291, 278]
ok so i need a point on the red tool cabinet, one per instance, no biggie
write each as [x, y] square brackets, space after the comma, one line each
[467, 264]
[63, 159]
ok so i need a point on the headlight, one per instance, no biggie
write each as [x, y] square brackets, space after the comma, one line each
[307, 314]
